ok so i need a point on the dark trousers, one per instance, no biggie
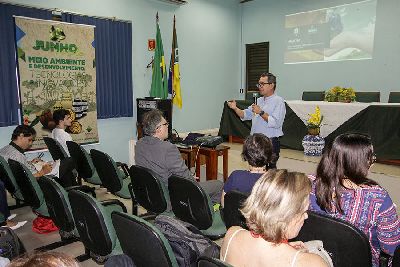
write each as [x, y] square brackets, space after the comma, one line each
[67, 173]
[3, 202]
[276, 149]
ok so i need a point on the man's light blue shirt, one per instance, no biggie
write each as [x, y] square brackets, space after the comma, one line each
[275, 107]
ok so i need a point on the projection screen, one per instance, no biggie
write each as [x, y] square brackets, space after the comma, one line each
[344, 32]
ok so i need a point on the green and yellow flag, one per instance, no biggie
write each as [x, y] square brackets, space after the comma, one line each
[174, 81]
[159, 82]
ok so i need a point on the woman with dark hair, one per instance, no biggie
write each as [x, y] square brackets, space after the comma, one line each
[341, 189]
[257, 151]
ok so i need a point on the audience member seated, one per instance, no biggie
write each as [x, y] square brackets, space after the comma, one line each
[341, 189]
[44, 259]
[62, 118]
[155, 153]
[5, 212]
[257, 151]
[275, 212]
[21, 140]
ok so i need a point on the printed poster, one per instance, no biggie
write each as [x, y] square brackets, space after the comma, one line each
[56, 68]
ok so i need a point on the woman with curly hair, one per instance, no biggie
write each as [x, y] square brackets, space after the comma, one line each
[257, 151]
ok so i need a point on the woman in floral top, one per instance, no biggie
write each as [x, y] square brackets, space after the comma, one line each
[341, 189]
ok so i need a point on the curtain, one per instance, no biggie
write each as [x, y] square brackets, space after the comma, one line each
[9, 103]
[113, 43]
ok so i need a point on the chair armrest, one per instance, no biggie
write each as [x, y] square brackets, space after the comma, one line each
[83, 188]
[124, 167]
[134, 202]
[109, 202]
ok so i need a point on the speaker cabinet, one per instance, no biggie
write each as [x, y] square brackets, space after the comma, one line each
[146, 104]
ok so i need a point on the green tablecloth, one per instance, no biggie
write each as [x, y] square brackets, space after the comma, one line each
[382, 123]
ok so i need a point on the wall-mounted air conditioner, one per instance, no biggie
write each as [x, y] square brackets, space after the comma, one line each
[176, 2]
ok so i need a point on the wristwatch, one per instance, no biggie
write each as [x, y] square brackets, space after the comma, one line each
[262, 112]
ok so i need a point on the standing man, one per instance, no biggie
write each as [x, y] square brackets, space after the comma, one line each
[267, 114]
[62, 118]
[163, 157]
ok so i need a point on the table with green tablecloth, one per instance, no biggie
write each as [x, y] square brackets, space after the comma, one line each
[380, 121]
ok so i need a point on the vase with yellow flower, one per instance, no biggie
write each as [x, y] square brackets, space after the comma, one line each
[314, 122]
[313, 143]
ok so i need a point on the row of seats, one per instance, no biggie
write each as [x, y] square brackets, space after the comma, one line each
[147, 190]
[49, 199]
[365, 97]
[106, 229]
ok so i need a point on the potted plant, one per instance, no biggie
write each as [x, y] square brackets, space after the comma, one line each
[340, 94]
[313, 143]
[314, 122]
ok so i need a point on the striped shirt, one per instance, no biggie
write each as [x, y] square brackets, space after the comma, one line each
[372, 211]
[12, 151]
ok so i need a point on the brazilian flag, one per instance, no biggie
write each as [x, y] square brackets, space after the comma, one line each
[159, 81]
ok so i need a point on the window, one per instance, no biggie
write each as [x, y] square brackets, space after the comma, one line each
[257, 62]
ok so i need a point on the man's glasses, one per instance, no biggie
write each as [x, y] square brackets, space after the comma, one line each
[259, 85]
[373, 158]
[165, 123]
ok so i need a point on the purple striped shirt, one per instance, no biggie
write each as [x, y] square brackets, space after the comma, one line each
[372, 211]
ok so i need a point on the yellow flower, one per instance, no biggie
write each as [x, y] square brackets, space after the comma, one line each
[342, 94]
[315, 119]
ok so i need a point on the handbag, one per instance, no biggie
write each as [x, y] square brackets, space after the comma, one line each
[317, 247]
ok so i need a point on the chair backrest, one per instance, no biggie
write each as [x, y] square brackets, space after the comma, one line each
[347, 245]
[107, 170]
[55, 149]
[142, 241]
[189, 202]
[204, 261]
[84, 164]
[368, 97]
[7, 177]
[95, 229]
[396, 257]
[233, 201]
[28, 184]
[313, 96]
[394, 97]
[57, 204]
[149, 190]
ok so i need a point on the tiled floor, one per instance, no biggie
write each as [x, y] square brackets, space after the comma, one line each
[388, 176]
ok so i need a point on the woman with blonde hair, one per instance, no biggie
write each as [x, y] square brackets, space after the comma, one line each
[275, 212]
[44, 259]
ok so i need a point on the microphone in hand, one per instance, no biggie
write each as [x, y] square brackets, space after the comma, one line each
[255, 96]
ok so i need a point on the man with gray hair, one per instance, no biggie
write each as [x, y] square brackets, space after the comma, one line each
[163, 157]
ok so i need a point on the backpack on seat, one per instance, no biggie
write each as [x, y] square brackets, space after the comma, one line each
[187, 242]
[10, 245]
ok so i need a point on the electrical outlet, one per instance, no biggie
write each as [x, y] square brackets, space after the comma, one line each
[241, 90]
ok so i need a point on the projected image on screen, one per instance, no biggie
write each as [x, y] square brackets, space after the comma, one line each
[343, 32]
